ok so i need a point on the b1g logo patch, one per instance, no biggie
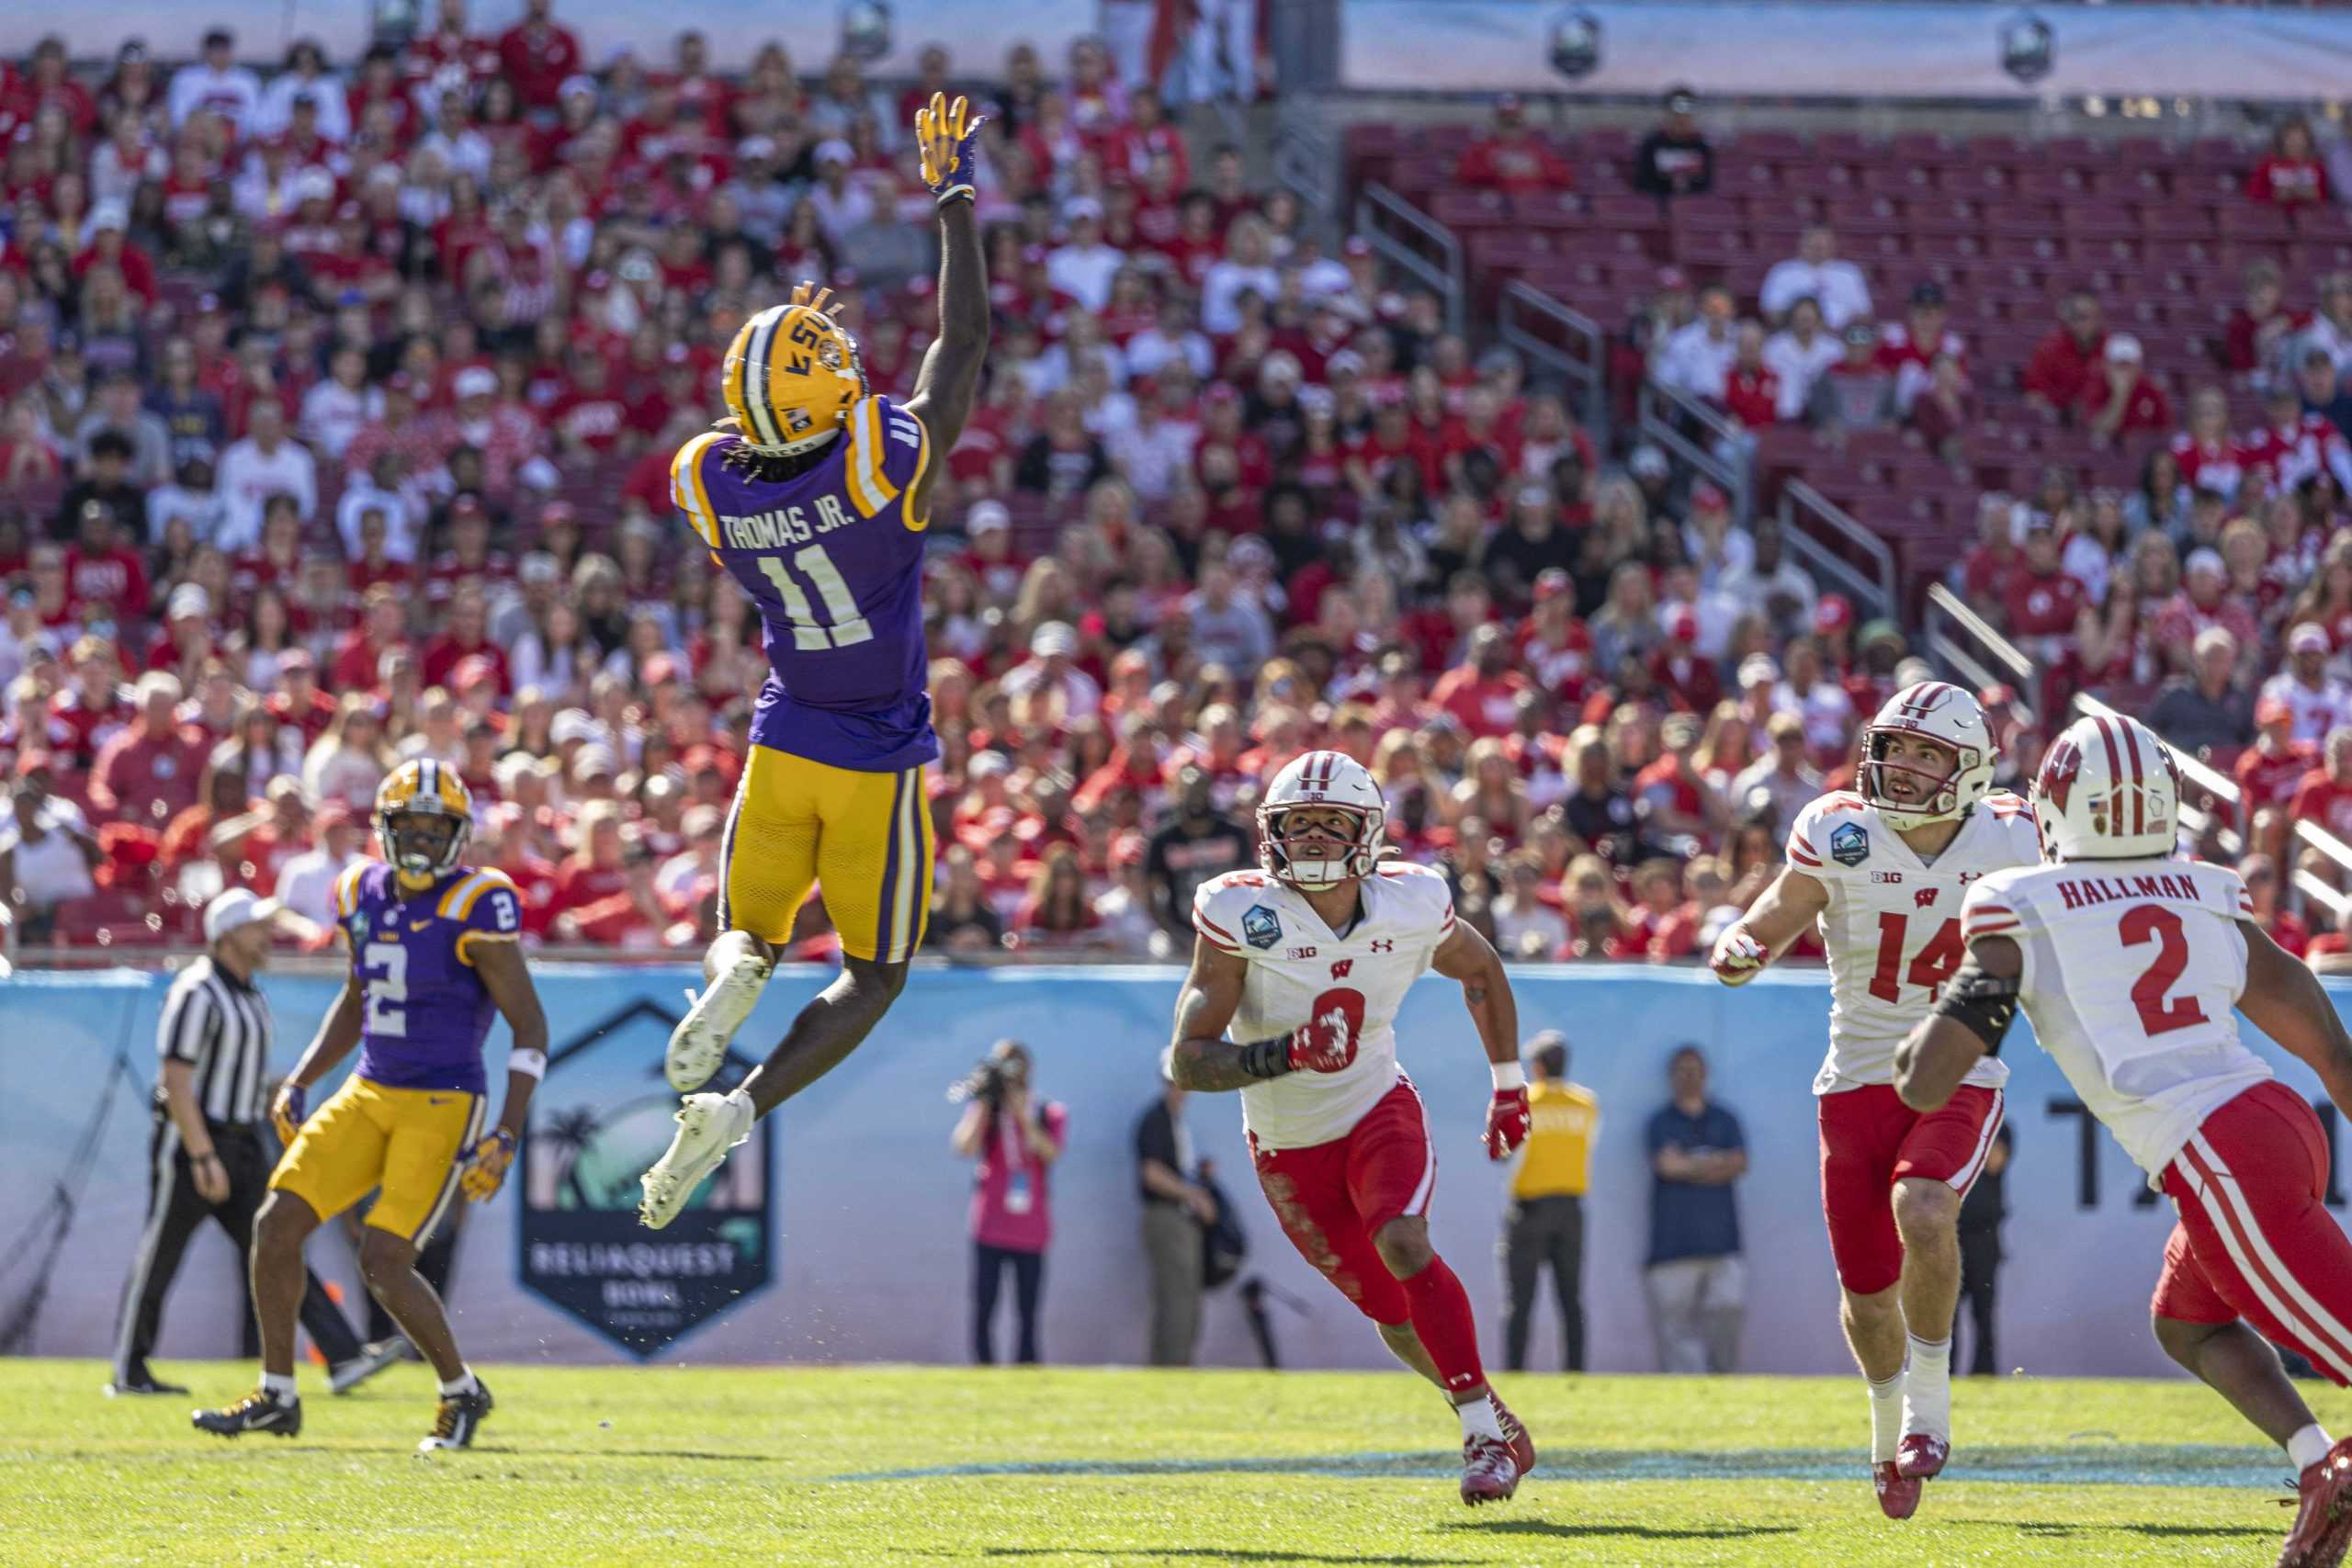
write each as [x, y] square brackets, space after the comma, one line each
[1849, 845]
[1260, 927]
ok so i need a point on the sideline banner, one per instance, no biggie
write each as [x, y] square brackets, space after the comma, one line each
[838, 1233]
[1837, 49]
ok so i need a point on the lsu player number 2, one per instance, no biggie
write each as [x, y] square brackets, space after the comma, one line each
[1930, 968]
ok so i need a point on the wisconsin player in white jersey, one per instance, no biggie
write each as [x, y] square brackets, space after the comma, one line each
[1306, 963]
[2129, 961]
[1882, 871]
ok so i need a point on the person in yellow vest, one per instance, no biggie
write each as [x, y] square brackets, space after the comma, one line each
[1546, 1220]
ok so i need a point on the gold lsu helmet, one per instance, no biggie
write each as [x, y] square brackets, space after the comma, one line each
[791, 375]
[421, 787]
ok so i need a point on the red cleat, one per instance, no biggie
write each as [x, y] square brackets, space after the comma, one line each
[1523, 1447]
[1487, 1473]
[1898, 1495]
[2323, 1518]
[1921, 1456]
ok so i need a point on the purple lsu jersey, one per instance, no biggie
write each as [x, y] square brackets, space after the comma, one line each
[834, 559]
[425, 1010]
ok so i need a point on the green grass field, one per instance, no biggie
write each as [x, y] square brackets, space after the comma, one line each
[893, 1465]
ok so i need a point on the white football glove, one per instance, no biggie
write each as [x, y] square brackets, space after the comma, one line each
[1738, 957]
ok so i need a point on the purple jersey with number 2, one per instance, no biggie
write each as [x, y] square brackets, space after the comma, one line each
[834, 559]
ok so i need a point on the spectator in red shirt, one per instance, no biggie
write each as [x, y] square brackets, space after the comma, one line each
[2251, 340]
[2324, 798]
[1676, 796]
[2290, 174]
[1509, 158]
[298, 702]
[2120, 400]
[1483, 692]
[149, 772]
[102, 570]
[466, 635]
[2040, 599]
[2269, 771]
[1751, 388]
[536, 55]
[2204, 600]
[2065, 360]
[383, 627]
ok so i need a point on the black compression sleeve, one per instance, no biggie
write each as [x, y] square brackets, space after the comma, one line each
[1986, 1004]
[1267, 1058]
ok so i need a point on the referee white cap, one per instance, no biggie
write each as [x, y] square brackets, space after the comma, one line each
[234, 907]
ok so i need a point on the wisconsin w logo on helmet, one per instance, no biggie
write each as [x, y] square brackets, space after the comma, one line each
[791, 375]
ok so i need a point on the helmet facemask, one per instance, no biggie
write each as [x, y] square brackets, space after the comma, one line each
[1934, 795]
[423, 842]
[1317, 845]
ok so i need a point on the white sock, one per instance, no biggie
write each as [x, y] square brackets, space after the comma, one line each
[1927, 1391]
[464, 1383]
[1886, 1417]
[1478, 1419]
[738, 1097]
[280, 1385]
[2308, 1447]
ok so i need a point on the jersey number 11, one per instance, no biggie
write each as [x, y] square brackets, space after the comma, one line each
[840, 626]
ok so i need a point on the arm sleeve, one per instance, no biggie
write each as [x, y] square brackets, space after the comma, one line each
[186, 1023]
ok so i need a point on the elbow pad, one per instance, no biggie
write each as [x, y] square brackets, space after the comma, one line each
[1984, 1004]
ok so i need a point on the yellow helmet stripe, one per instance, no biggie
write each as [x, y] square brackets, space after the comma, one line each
[346, 890]
[686, 487]
[730, 387]
[757, 399]
[863, 494]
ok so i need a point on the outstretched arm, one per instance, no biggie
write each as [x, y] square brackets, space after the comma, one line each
[1779, 917]
[2286, 1001]
[1965, 1026]
[949, 379]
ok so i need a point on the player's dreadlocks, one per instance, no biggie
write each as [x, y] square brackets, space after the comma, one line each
[768, 467]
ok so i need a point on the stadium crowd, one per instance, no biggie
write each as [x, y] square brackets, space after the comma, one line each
[338, 408]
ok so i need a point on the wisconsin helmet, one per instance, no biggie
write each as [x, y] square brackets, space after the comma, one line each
[791, 375]
[1940, 712]
[2107, 790]
[1322, 781]
[412, 802]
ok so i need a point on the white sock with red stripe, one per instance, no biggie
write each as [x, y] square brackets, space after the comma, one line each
[2308, 1447]
[1886, 1418]
[1927, 1390]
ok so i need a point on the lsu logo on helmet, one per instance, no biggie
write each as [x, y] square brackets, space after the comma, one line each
[421, 788]
[791, 375]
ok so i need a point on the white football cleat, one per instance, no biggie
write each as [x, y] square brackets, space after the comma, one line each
[699, 1042]
[708, 1125]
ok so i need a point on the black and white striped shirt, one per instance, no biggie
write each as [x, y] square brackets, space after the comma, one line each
[219, 1026]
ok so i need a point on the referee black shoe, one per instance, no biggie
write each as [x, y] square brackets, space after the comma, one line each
[260, 1411]
[458, 1419]
[138, 1380]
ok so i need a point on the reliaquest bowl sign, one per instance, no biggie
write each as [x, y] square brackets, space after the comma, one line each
[598, 1122]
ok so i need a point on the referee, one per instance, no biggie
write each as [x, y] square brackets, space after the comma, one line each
[205, 1157]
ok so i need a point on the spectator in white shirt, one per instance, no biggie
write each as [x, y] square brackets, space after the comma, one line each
[306, 883]
[334, 409]
[1697, 357]
[1171, 337]
[1247, 265]
[384, 488]
[1053, 648]
[1152, 452]
[1082, 266]
[1820, 703]
[697, 866]
[1817, 273]
[843, 202]
[306, 76]
[191, 496]
[264, 464]
[1798, 353]
[2318, 700]
[1526, 927]
[216, 81]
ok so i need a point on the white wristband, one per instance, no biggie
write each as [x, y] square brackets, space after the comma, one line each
[1508, 1075]
[530, 1063]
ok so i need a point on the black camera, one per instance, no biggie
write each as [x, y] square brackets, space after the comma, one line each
[986, 1083]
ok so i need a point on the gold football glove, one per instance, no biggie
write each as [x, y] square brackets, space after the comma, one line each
[948, 136]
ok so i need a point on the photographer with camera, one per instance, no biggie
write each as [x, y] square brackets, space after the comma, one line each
[1015, 1141]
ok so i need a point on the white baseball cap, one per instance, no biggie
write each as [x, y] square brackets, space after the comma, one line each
[236, 907]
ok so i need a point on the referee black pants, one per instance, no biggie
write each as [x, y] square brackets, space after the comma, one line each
[175, 1208]
[1543, 1232]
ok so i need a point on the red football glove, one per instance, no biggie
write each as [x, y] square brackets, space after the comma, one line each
[1324, 1045]
[1507, 1118]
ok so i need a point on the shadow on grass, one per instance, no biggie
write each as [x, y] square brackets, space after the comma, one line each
[703, 1455]
[1212, 1554]
[2052, 1529]
[1596, 1531]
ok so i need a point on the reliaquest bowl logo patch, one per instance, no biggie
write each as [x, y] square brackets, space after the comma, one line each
[1260, 927]
[1849, 845]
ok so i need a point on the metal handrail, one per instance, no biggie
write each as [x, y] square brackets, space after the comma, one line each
[1307, 160]
[1803, 504]
[1523, 306]
[1663, 415]
[1378, 204]
[1946, 614]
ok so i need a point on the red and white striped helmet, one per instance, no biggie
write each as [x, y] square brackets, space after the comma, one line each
[2107, 790]
[1323, 780]
[1943, 713]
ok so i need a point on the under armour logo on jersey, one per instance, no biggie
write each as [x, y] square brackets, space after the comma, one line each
[1924, 898]
[1383, 945]
[1340, 970]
